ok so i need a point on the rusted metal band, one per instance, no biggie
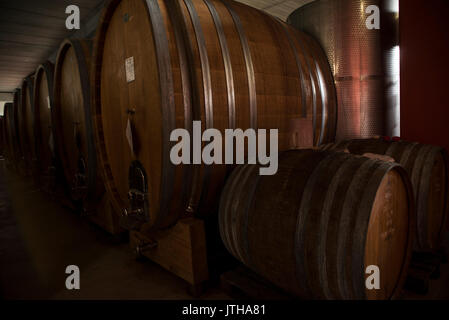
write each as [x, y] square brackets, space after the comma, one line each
[207, 85]
[204, 60]
[167, 104]
[340, 164]
[226, 61]
[300, 244]
[312, 84]
[191, 107]
[346, 226]
[249, 64]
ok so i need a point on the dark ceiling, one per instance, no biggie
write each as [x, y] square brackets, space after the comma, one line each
[30, 32]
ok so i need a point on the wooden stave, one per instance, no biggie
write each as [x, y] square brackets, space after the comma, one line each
[412, 156]
[200, 175]
[95, 187]
[316, 290]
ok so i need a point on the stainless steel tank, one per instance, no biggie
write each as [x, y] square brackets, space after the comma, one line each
[365, 62]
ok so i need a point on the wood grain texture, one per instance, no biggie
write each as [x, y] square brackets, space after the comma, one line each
[180, 249]
[219, 62]
[74, 134]
[314, 227]
[427, 167]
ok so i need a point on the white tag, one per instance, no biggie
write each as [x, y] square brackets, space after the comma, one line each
[48, 102]
[129, 136]
[129, 66]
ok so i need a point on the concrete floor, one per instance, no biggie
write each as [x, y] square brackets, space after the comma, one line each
[39, 238]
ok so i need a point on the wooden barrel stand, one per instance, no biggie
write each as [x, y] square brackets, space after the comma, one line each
[180, 249]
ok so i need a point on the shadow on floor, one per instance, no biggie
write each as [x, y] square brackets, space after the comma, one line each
[39, 238]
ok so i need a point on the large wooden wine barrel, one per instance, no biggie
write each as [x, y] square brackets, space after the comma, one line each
[26, 124]
[2, 138]
[315, 226]
[159, 65]
[73, 120]
[15, 131]
[43, 102]
[8, 133]
[428, 168]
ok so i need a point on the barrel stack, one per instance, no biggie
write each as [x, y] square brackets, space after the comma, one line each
[95, 128]
[168, 63]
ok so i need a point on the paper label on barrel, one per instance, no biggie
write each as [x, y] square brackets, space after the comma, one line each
[48, 102]
[129, 66]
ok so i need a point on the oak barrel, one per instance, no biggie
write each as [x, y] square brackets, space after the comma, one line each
[73, 121]
[26, 124]
[315, 226]
[2, 138]
[159, 65]
[428, 168]
[8, 133]
[16, 148]
[44, 135]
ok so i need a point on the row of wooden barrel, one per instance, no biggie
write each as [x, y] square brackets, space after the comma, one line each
[102, 118]
[103, 115]
[329, 214]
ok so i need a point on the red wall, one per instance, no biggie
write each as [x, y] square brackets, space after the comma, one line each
[424, 45]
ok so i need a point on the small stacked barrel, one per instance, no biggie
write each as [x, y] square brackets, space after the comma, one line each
[100, 120]
[315, 227]
[428, 168]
